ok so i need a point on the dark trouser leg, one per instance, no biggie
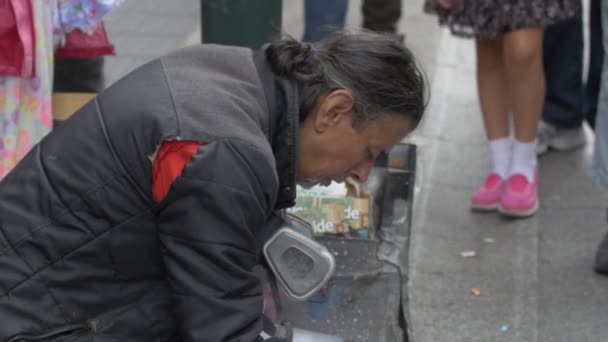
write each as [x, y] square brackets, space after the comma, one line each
[601, 143]
[381, 15]
[596, 53]
[601, 257]
[323, 16]
[562, 59]
[78, 75]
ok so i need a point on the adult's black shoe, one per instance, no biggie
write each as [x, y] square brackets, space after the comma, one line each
[601, 257]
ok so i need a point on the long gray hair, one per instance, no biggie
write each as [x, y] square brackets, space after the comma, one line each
[381, 73]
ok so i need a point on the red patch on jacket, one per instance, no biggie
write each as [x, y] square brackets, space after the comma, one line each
[170, 161]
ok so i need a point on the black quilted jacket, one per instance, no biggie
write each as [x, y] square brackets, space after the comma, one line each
[85, 252]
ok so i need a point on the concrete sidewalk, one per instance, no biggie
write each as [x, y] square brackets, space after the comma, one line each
[144, 30]
[534, 276]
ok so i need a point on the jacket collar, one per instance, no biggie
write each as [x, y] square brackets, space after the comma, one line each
[283, 116]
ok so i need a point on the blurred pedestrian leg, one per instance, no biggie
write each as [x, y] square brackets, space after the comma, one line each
[323, 16]
[79, 75]
[596, 61]
[240, 22]
[601, 257]
[600, 153]
[569, 102]
[381, 15]
[561, 127]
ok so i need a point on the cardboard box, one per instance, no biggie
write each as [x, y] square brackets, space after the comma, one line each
[66, 104]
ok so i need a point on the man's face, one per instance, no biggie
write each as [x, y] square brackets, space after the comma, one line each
[330, 148]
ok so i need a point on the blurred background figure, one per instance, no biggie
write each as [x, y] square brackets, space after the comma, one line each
[79, 75]
[26, 73]
[381, 15]
[570, 102]
[33, 35]
[321, 17]
[510, 78]
[600, 154]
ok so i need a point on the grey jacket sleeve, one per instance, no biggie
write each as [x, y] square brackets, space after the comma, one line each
[207, 227]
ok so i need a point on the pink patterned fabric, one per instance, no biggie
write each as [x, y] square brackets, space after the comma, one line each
[489, 18]
[25, 102]
[17, 40]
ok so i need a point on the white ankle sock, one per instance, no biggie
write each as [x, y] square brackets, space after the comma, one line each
[500, 154]
[524, 159]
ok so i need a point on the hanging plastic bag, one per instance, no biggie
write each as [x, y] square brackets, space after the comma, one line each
[83, 15]
[79, 44]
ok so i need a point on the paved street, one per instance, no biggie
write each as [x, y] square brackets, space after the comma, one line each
[534, 276]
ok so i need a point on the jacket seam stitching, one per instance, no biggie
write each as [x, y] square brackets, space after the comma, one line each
[253, 172]
[247, 143]
[56, 302]
[14, 249]
[237, 190]
[171, 96]
[54, 219]
[212, 295]
[66, 208]
[260, 84]
[206, 242]
[95, 238]
[119, 162]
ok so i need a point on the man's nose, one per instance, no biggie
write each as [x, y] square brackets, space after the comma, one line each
[362, 171]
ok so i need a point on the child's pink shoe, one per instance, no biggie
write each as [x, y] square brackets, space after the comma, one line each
[487, 197]
[520, 197]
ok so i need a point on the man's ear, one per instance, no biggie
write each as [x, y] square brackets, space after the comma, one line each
[338, 105]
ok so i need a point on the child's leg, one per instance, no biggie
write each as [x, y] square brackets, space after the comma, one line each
[526, 83]
[493, 98]
[526, 79]
[522, 55]
[492, 87]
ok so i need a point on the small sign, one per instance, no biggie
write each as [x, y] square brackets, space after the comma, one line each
[332, 213]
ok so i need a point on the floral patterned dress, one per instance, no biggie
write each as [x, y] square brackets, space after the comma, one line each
[25, 103]
[489, 18]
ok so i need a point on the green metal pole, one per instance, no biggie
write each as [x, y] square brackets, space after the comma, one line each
[248, 23]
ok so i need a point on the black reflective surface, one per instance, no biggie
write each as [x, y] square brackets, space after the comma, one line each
[363, 300]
